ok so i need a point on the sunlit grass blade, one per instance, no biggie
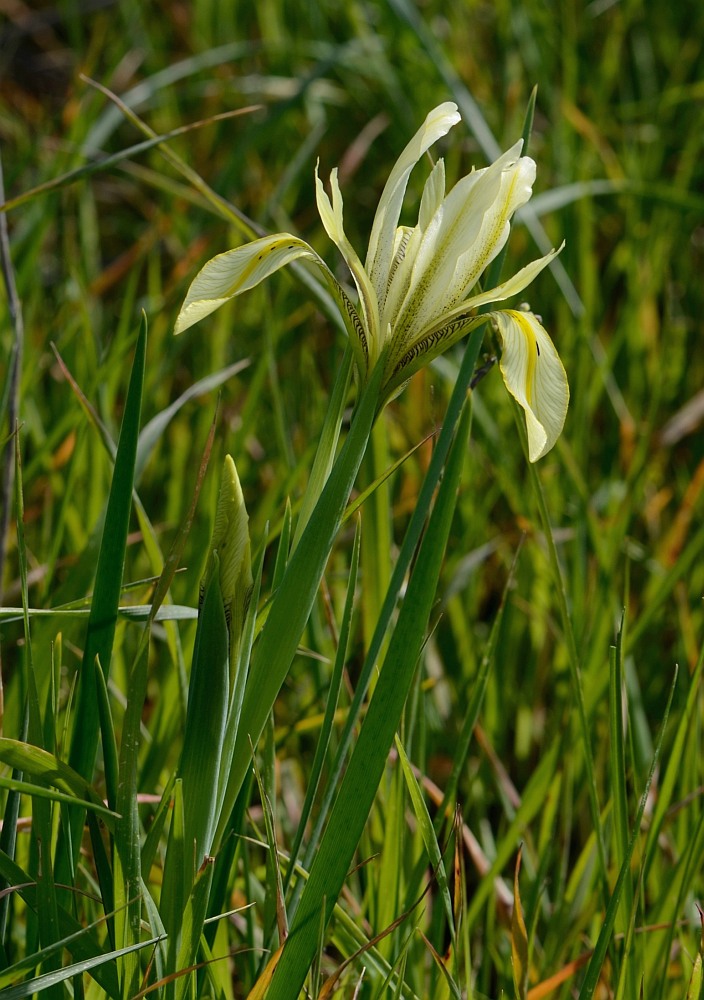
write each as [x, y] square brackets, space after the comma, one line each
[44, 765]
[361, 780]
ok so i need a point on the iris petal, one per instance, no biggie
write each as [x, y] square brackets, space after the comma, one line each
[331, 217]
[438, 123]
[238, 270]
[534, 376]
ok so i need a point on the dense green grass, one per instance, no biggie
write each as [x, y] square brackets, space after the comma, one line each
[535, 677]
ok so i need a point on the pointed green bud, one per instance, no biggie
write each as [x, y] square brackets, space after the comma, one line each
[230, 543]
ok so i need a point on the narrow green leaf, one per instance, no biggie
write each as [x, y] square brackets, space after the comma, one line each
[108, 579]
[153, 431]
[51, 979]
[673, 768]
[475, 700]
[208, 701]
[519, 939]
[617, 765]
[45, 765]
[282, 553]
[327, 444]
[361, 780]
[408, 549]
[80, 173]
[694, 990]
[178, 878]
[293, 600]
[22, 787]
[107, 733]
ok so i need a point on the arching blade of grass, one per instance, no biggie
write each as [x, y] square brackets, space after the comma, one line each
[153, 430]
[359, 786]
[80, 173]
[51, 979]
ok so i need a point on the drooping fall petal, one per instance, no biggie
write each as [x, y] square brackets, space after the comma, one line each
[238, 270]
[534, 376]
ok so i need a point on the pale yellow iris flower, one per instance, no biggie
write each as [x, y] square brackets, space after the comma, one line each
[415, 288]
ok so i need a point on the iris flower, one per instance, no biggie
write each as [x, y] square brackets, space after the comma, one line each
[418, 290]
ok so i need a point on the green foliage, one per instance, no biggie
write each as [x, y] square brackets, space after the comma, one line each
[531, 637]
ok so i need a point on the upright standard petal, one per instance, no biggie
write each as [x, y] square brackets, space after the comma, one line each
[467, 232]
[534, 376]
[437, 123]
[332, 219]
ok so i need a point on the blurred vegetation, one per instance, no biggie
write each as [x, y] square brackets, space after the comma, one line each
[618, 141]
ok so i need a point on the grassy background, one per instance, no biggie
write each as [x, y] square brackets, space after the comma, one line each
[617, 139]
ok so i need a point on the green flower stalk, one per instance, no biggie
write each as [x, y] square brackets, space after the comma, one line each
[418, 290]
